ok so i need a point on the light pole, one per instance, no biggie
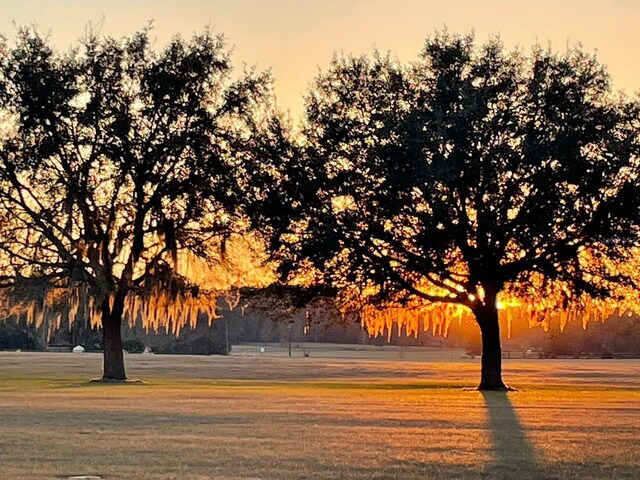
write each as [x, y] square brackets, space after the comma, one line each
[289, 335]
[226, 337]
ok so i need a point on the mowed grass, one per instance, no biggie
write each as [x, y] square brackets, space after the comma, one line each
[309, 418]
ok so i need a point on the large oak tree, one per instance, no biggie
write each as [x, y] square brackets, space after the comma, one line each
[116, 158]
[471, 171]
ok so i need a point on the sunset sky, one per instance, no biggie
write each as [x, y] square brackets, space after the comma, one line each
[296, 38]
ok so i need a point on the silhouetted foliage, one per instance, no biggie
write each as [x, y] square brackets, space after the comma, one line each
[450, 179]
[14, 335]
[115, 157]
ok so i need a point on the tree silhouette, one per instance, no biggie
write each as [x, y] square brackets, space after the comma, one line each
[465, 174]
[116, 159]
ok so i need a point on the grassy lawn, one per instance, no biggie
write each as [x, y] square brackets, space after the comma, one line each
[279, 418]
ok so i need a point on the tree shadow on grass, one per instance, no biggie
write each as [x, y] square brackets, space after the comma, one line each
[513, 453]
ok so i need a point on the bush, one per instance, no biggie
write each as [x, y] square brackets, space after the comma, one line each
[133, 345]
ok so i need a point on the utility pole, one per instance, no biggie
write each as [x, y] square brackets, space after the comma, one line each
[289, 335]
[45, 331]
[226, 336]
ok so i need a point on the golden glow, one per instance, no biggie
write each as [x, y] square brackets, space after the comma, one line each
[437, 317]
[541, 305]
[156, 308]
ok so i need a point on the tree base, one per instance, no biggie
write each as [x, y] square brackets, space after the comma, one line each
[127, 381]
[496, 388]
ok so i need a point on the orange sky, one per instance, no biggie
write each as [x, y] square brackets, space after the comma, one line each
[295, 38]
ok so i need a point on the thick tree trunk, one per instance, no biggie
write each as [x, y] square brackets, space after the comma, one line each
[487, 317]
[491, 375]
[113, 359]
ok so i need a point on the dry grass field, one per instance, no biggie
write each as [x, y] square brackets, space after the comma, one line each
[316, 418]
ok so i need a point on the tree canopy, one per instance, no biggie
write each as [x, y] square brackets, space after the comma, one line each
[467, 173]
[119, 165]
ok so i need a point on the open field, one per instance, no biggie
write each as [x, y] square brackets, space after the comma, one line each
[348, 351]
[316, 418]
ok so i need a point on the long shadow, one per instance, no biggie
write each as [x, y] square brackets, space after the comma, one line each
[513, 454]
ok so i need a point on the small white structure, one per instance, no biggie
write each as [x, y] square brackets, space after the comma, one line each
[147, 350]
[78, 349]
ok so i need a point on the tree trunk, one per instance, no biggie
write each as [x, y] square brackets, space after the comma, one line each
[113, 359]
[487, 317]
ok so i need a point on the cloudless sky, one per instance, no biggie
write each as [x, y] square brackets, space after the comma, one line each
[296, 38]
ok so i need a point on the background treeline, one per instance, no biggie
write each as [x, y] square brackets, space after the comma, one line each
[618, 336]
